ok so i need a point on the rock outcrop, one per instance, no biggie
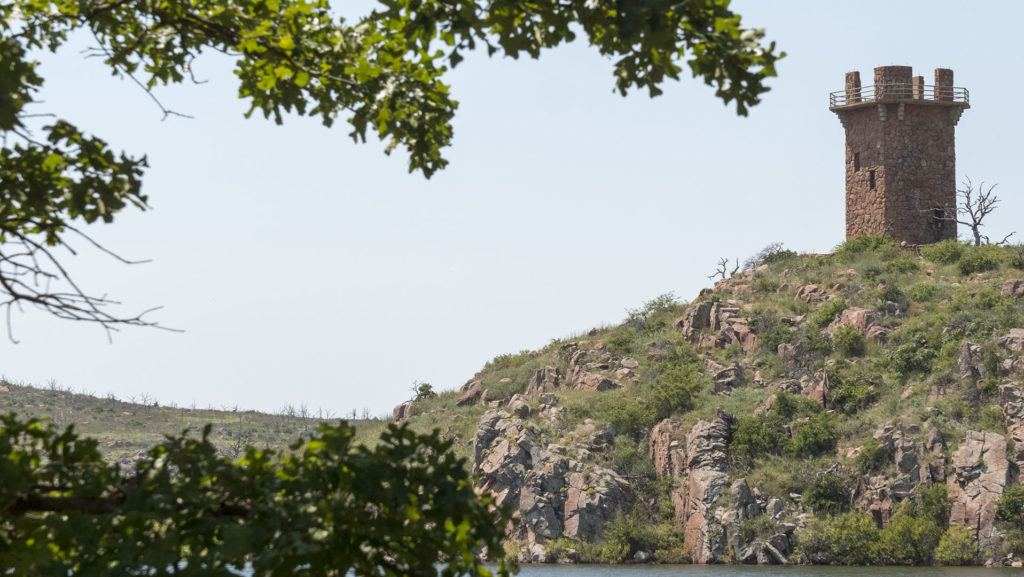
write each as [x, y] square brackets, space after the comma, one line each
[552, 490]
[1012, 342]
[706, 477]
[971, 361]
[711, 324]
[859, 318]
[980, 473]
[471, 393]
[666, 451]
[402, 412]
[586, 370]
[1011, 400]
[1013, 288]
[543, 381]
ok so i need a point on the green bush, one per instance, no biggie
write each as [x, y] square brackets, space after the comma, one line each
[827, 496]
[770, 330]
[678, 381]
[957, 547]
[909, 539]
[926, 292]
[507, 361]
[1014, 542]
[902, 264]
[631, 417]
[828, 312]
[770, 254]
[910, 358]
[627, 533]
[882, 246]
[980, 258]
[764, 284]
[620, 342]
[851, 392]
[944, 252]
[849, 341]
[890, 293]
[788, 406]
[1010, 508]
[650, 315]
[760, 527]
[758, 436]
[871, 459]
[847, 539]
[815, 437]
[933, 503]
[1015, 256]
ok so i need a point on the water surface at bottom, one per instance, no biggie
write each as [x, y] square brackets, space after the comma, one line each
[757, 571]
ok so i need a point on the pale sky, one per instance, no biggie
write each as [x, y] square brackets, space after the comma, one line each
[306, 269]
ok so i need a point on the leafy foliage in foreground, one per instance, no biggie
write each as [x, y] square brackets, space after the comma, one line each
[329, 507]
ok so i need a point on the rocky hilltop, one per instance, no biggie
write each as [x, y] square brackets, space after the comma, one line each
[860, 407]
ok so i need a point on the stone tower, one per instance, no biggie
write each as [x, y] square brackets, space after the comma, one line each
[900, 154]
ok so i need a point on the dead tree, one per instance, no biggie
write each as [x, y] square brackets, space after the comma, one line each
[971, 210]
[722, 266]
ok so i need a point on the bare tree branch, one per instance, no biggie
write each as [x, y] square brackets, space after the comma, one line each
[31, 273]
[722, 267]
[972, 208]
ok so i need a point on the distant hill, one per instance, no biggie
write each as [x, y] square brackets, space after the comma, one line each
[126, 429]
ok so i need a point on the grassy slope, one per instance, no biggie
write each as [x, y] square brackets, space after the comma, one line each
[125, 429]
[949, 295]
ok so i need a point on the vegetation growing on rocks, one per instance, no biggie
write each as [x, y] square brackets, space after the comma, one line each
[811, 408]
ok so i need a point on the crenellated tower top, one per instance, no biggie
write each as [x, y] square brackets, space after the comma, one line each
[900, 153]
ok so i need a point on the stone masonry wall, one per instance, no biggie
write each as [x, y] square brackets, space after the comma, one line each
[900, 159]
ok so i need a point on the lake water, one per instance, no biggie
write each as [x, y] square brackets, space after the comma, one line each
[756, 571]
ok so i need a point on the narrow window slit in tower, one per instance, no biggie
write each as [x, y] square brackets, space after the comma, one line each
[856, 162]
[939, 215]
[871, 179]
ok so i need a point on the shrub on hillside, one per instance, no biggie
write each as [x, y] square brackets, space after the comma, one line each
[957, 547]
[650, 315]
[889, 293]
[851, 391]
[1010, 508]
[909, 358]
[849, 341]
[770, 254]
[847, 539]
[828, 312]
[757, 437]
[902, 264]
[815, 437]
[933, 502]
[871, 459]
[1015, 256]
[827, 496]
[926, 292]
[909, 539]
[980, 258]
[627, 533]
[944, 252]
[882, 246]
[508, 360]
[678, 382]
[789, 406]
[770, 330]
[630, 417]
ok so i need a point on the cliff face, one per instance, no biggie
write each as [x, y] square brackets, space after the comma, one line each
[807, 392]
